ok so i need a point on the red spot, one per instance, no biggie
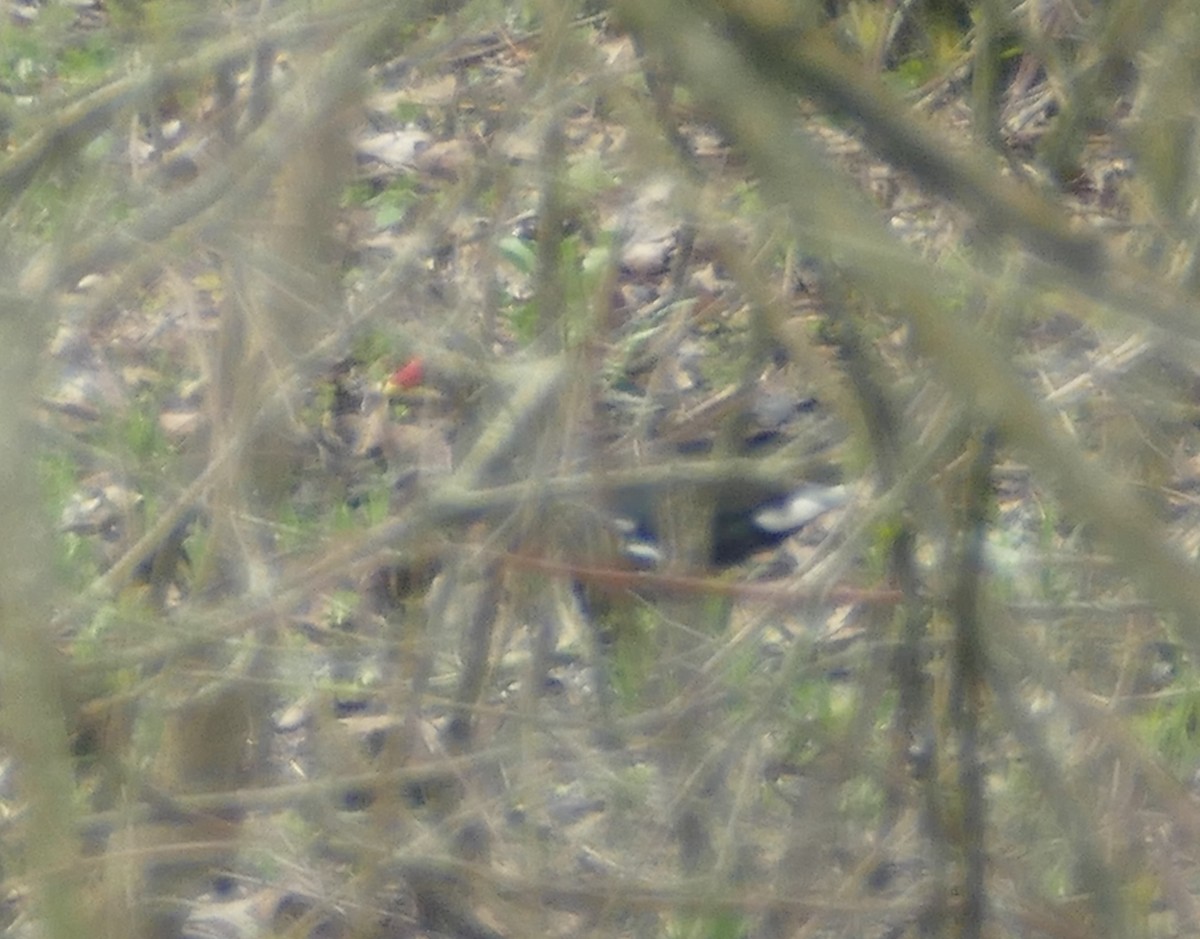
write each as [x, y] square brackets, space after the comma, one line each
[408, 375]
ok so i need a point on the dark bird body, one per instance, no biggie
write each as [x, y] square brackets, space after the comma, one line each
[743, 523]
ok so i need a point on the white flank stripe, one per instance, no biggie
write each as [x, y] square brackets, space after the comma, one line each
[802, 507]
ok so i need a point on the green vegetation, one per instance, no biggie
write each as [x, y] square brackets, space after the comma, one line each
[341, 341]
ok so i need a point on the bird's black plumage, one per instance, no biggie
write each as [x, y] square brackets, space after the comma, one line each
[742, 523]
[738, 533]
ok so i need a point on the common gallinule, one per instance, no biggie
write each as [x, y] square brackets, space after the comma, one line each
[745, 520]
